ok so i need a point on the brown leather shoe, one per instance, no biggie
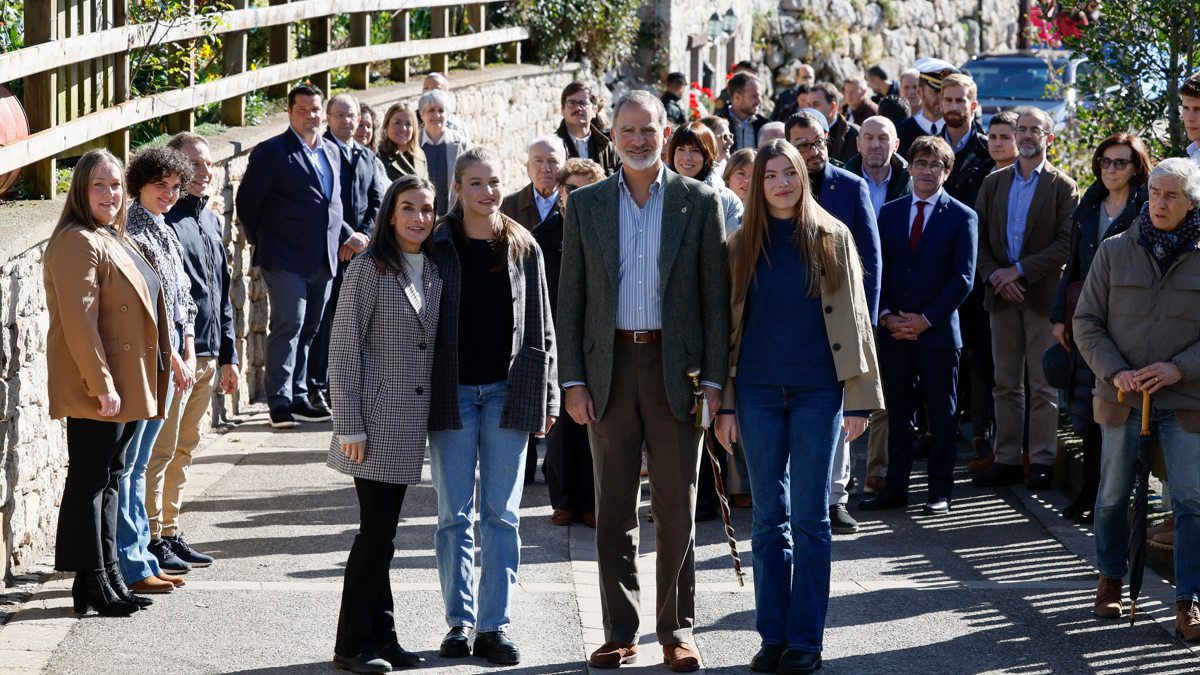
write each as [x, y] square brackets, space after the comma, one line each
[1164, 540]
[613, 655]
[152, 585]
[561, 517]
[1108, 598]
[982, 464]
[875, 485]
[1187, 620]
[172, 579]
[589, 519]
[681, 658]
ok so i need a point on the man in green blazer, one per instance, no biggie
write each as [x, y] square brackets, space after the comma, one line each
[643, 299]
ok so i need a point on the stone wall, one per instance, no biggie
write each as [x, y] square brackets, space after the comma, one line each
[504, 106]
[841, 38]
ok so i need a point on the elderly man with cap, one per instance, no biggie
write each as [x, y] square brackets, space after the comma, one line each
[847, 198]
[927, 122]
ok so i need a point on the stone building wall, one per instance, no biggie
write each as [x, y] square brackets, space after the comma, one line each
[841, 38]
[504, 106]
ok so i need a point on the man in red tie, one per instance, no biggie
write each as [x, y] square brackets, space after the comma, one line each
[929, 244]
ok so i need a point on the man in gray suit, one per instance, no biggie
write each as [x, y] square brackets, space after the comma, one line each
[643, 299]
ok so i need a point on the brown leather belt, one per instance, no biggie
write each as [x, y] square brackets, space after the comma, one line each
[640, 337]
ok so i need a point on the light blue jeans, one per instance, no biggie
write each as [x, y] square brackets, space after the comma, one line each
[133, 523]
[500, 457]
[1117, 458]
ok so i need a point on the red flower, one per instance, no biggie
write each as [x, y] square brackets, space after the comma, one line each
[695, 85]
[729, 76]
[706, 91]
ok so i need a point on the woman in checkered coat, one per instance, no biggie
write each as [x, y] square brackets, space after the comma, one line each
[380, 364]
[495, 382]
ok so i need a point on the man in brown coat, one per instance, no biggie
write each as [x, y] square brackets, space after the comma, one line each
[1024, 235]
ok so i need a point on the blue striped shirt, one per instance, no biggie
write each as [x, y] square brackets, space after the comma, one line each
[1020, 199]
[639, 306]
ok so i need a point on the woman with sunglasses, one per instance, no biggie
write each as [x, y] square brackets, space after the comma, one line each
[1121, 165]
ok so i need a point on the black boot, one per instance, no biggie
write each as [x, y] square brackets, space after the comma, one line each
[121, 590]
[92, 589]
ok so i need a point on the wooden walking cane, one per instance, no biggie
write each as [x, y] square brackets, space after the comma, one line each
[702, 419]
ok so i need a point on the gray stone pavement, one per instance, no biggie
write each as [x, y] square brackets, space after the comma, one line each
[1001, 585]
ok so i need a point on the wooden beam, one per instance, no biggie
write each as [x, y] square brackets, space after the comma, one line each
[41, 25]
[439, 18]
[400, 31]
[319, 37]
[62, 52]
[279, 50]
[233, 110]
[360, 36]
[476, 18]
[118, 141]
[63, 136]
[184, 120]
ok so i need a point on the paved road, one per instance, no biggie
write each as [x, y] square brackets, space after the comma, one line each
[1001, 585]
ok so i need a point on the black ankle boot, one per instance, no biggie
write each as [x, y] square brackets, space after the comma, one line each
[117, 582]
[92, 589]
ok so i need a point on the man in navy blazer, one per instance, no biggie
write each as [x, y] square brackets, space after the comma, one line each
[290, 208]
[929, 244]
[846, 196]
[361, 196]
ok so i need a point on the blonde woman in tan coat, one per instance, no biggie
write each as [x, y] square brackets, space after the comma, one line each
[107, 366]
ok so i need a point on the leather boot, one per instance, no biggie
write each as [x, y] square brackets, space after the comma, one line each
[1108, 598]
[92, 590]
[118, 585]
[1187, 620]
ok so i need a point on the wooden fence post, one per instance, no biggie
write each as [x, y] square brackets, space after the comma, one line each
[360, 36]
[319, 37]
[185, 120]
[440, 27]
[400, 32]
[477, 19]
[233, 110]
[280, 51]
[118, 141]
[41, 97]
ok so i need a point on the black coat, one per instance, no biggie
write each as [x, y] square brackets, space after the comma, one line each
[600, 149]
[361, 192]
[549, 236]
[900, 183]
[971, 165]
[843, 140]
[200, 233]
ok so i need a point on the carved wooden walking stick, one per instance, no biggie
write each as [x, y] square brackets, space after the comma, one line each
[702, 420]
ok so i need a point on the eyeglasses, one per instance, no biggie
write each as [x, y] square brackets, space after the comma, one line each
[1037, 132]
[805, 147]
[575, 103]
[921, 165]
[1118, 164]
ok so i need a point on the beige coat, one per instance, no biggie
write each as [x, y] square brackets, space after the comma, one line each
[103, 335]
[848, 326]
[1131, 315]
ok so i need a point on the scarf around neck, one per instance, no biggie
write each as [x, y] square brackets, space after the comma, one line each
[1165, 246]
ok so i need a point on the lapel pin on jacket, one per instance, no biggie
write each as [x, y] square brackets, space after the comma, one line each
[683, 210]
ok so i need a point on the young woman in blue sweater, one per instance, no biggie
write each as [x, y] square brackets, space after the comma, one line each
[802, 352]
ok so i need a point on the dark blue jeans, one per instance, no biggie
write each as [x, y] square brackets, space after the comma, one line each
[786, 428]
[297, 303]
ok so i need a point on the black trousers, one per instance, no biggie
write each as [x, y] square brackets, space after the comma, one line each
[87, 515]
[317, 372]
[903, 364]
[569, 467]
[366, 621]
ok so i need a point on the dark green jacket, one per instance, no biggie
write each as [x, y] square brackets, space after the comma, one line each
[694, 287]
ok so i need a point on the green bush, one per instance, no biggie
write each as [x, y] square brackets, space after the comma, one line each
[606, 32]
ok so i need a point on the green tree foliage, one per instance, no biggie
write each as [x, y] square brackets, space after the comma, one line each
[605, 32]
[1140, 51]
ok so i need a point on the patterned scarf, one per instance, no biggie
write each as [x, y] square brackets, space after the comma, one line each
[161, 248]
[1165, 246]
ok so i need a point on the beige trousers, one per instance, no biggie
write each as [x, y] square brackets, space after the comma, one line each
[1019, 339]
[166, 474]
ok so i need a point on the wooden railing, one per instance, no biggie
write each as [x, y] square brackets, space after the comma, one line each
[77, 76]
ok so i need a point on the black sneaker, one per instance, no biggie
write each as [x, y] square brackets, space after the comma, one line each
[318, 398]
[307, 412]
[167, 560]
[281, 417]
[841, 521]
[186, 553]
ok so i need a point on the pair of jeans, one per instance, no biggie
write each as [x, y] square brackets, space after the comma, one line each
[1118, 455]
[133, 521]
[87, 514]
[366, 621]
[297, 304]
[500, 456]
[790, 435]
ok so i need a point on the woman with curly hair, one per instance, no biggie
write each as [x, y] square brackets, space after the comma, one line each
[155, 178]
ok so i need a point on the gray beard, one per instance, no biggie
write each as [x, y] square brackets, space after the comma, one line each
[640, 166]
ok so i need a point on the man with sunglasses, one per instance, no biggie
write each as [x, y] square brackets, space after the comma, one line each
[578, 131]
[847, 197]
[1024, 236]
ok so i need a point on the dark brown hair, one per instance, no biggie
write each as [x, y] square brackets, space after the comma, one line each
[363, 111]
[1191, 86]
[698, 135]
[1141, 157]
[154, 164]
[737, 160]
[934, 147]
[738, 82]
[1006, 117]
[385, 248]
[832, 95]
[574, 88]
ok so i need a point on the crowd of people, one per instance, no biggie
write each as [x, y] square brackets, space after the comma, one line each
[868, 266]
